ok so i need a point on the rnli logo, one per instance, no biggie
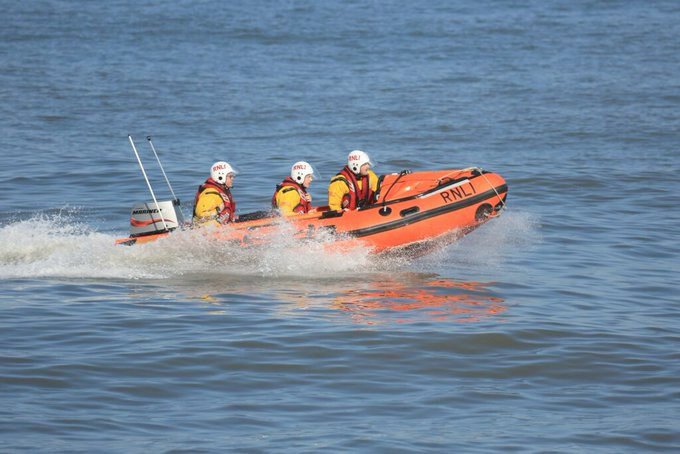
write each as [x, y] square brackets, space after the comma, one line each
[354, 157]
[299, 167]
[219, 167]
[458, 193]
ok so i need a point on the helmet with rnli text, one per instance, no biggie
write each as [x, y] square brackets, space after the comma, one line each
[220, 170]
[300, 170]
[356, 159]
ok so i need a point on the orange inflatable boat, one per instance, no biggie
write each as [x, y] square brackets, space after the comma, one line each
[413, 212]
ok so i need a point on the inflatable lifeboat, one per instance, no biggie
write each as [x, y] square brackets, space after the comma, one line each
[413, 212]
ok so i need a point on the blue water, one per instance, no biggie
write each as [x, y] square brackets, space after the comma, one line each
[553, 328]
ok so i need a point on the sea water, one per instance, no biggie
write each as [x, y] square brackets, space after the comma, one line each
[552, 328]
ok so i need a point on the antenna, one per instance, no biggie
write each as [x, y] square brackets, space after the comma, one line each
[147, 182]
[162, 170]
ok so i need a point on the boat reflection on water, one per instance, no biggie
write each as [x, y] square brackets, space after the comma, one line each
[373, 299]
[418, 299]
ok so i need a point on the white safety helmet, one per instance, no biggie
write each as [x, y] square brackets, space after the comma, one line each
[300, 170]
[220, 170]
[356, 159]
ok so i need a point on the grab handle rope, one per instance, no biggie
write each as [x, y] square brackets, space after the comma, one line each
[500, 199]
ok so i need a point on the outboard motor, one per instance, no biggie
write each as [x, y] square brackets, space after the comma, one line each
[147, 220]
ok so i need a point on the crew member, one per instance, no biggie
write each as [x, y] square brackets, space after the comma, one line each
[291, 196]
[214, 204]
[355, 185]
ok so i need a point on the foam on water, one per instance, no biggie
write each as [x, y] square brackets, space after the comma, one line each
[490, 245]
[59, 246]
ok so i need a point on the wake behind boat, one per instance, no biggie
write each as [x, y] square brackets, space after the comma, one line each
[413, 211]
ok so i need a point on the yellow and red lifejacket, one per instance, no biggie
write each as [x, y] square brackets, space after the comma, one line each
[356, 197]
[288, 184]
[227, 213]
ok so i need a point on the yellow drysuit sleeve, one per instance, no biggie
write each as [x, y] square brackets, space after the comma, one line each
[208, 206]
[286, 200]
[336, 191]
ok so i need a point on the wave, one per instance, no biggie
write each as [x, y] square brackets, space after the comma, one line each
[57, 245]
[488, 247]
